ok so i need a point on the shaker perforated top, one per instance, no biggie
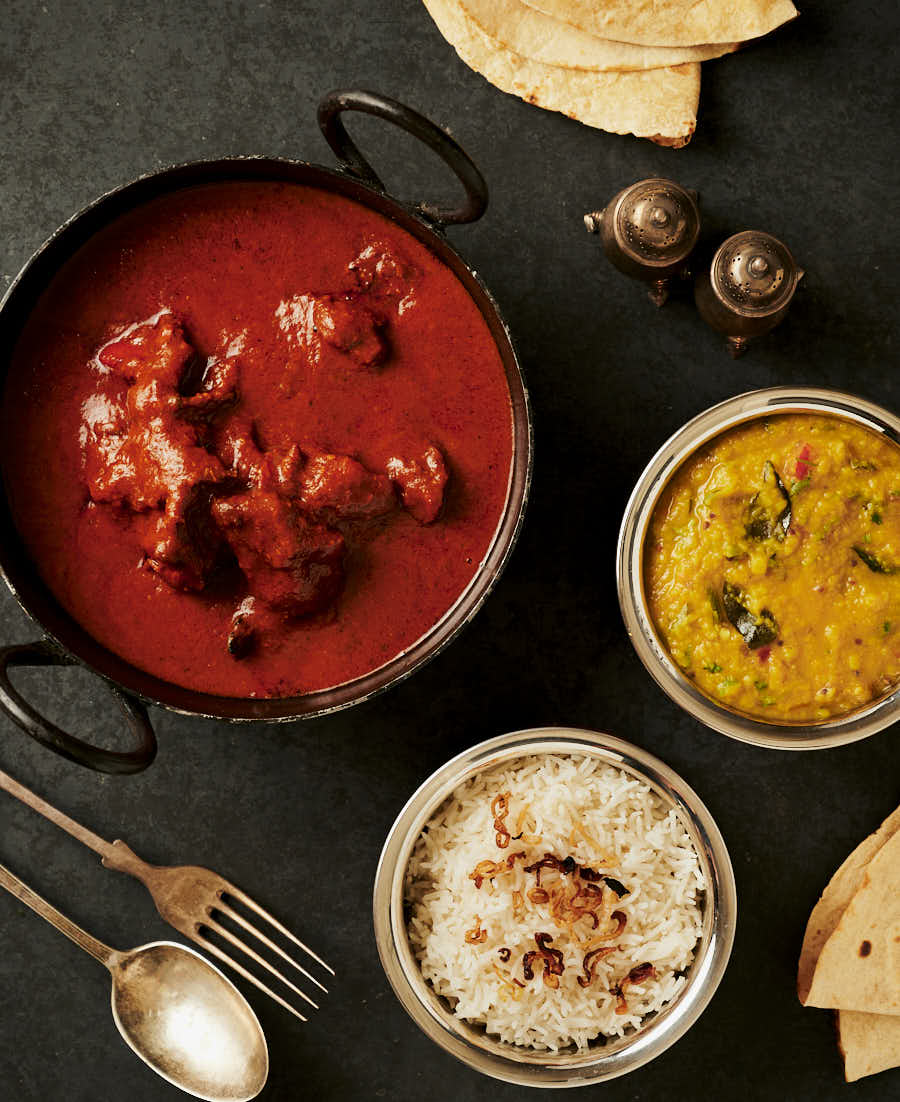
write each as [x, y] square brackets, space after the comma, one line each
[657, 222]
[754, 273]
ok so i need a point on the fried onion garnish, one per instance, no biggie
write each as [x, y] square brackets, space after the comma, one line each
[638, 974]
[590, 959]
[500, 809]
[552, 958]
[485, 870]
[620, 919]
[577, 893]
[488, 869]
[477, 935]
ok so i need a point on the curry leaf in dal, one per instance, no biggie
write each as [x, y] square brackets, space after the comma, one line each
[769, 512]
[756, 631]
[872, 561]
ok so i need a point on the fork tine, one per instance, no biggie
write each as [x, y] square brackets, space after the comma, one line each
[209, 947]
[241, 921]
[253, 955]
[252, 905]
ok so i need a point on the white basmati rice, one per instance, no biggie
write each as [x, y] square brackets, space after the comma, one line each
[653, 858]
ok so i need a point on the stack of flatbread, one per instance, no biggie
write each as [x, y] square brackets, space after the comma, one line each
[850, 960]
[627, 66]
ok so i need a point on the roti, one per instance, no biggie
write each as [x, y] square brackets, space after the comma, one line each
[660, 104]
[540, 37]
[859, 965]
[869, 1043]
[840, 890]
[671, 22]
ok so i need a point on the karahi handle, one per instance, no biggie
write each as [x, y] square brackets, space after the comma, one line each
[335, 103]
[44, 653]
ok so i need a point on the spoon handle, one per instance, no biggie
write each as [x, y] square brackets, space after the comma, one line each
[40, 906]
[32, 800]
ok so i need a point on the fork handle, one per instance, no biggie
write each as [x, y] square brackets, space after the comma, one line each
[59, 818]
[115, 855]
[121, 858]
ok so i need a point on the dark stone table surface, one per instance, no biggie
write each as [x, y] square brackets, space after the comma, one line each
[797, 135]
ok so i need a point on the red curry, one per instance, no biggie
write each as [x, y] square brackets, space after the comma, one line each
[257, 438]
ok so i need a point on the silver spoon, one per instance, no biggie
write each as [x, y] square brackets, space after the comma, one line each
[177, 1011]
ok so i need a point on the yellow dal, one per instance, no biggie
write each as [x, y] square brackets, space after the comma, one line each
[838, 621]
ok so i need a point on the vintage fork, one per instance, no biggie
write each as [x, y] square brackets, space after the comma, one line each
[188, 897]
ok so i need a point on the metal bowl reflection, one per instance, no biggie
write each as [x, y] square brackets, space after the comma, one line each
[858, 724]
[528, 1067]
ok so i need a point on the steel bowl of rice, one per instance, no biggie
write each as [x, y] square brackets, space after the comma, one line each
[554, 907]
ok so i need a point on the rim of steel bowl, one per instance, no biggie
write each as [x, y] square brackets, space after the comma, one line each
[785, 735]
[516, 1064]
[65, 642]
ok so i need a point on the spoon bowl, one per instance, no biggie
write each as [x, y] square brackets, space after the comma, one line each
[188, 1022]
[174, 1009]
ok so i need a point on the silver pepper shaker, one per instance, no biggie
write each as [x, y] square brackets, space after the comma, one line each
[748, 287]
[648, 231]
